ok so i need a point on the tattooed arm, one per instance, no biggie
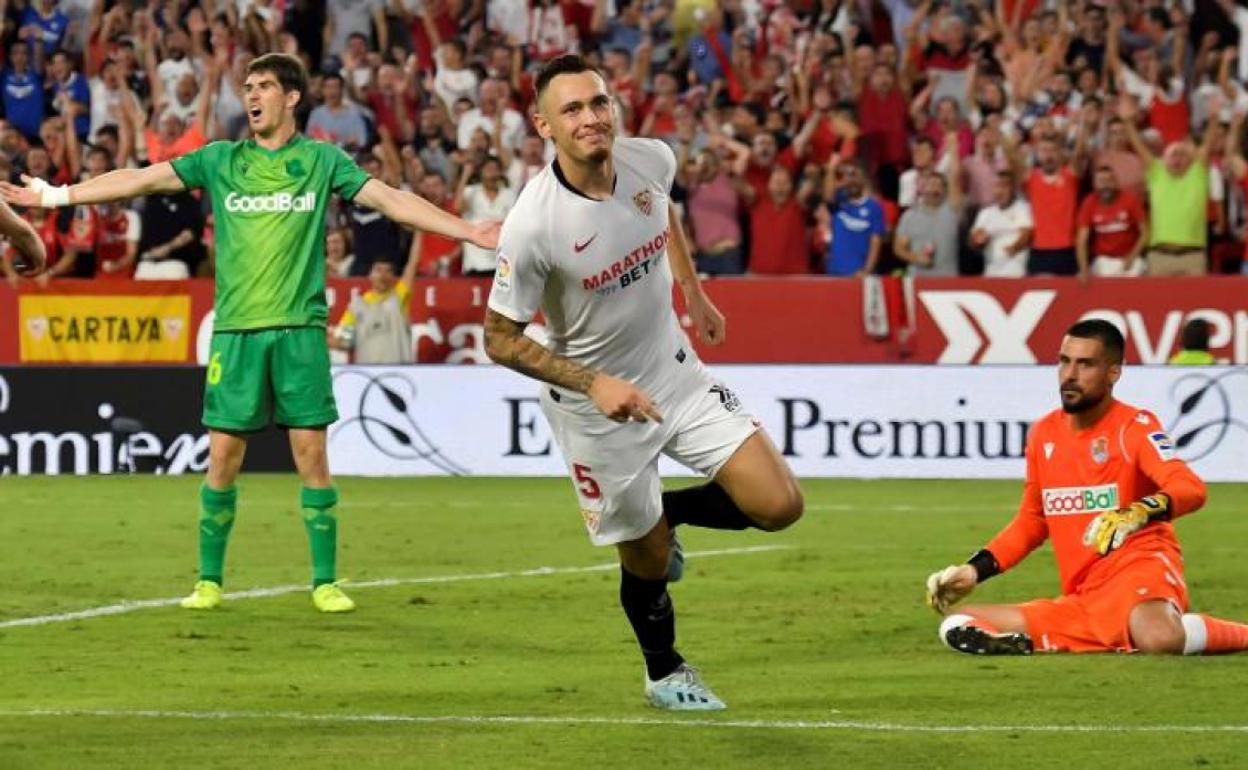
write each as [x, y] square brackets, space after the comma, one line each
[620, 400]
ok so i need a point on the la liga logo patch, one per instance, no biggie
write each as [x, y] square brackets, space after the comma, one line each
[502, 273]
[1162, 443]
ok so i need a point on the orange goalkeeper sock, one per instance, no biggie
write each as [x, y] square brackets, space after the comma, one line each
[1211, 636]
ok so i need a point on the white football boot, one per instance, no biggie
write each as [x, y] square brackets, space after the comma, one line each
[682, 690]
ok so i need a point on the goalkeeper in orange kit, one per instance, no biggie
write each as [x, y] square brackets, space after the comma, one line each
[1103, 484]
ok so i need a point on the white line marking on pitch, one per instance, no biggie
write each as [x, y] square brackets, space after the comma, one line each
[124, 607]
[766, 724]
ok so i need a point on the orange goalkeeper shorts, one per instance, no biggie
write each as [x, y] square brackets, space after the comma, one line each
[1097, 617]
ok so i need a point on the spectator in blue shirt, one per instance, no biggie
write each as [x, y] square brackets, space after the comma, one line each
[70, 86]
[23, 92]
[50, 22]
[857, 221]
[624, 30]
[710, 50]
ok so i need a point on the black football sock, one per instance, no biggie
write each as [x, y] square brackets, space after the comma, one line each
[649, 610]
[705, 506]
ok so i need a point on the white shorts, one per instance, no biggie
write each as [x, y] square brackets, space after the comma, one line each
[1115, 267]
[615, 466]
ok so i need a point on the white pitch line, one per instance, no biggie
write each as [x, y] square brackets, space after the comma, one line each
[908, 508]
[128, 606]
[746, 724]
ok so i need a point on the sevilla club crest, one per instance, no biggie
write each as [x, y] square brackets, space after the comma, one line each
[1100, 450]
[644, 202]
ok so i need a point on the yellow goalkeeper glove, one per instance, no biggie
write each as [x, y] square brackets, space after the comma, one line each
[1109, 530]
[949, 586]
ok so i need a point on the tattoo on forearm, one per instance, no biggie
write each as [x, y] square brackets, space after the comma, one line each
[506, 345]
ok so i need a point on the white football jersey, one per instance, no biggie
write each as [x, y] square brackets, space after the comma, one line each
[598, 271]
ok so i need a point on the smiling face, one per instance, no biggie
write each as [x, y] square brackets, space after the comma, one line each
[575, 112]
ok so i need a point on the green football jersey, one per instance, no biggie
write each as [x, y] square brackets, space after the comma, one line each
[268, 210]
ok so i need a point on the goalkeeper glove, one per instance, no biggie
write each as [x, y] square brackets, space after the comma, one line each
[950, 586]
[1109, 530]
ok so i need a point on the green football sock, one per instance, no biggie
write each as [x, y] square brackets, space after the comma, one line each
[321, 523]
[216, 519]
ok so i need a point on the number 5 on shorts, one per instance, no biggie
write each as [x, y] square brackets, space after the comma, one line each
[585, 483]
[214, 368]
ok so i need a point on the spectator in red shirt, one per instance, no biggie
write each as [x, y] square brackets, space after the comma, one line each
[551, 34]
[764, 155]
[834, 131]
[627, 72]
[882, 112]
[1053, 190]
[659, 110]
[436, 255]
[394, 105]
[1113, 229]
[948, 119]
[778, 222]
[52, 227]
[116, 241]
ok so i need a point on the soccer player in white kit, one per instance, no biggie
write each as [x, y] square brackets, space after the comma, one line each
[594, 243]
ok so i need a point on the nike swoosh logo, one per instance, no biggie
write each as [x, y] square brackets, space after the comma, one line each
[579, 247]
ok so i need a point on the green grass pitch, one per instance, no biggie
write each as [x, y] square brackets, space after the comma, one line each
[822, 649]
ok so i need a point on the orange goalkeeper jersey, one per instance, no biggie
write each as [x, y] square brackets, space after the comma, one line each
[1073, 475]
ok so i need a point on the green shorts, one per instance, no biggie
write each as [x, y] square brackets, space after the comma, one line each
[269, 375]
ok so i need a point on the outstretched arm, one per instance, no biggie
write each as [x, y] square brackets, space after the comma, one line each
[414, 211]
[115, 185]
[1129, 112]
[25, 240]
[1024, 534]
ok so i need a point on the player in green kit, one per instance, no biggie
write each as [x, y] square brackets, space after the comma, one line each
[269, 360]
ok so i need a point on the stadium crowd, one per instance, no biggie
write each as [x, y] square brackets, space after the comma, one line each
[938, 137]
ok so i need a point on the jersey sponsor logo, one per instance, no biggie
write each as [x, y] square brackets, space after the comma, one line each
[626, 271]
[859, 224]
[274, 203]
[1100, 450]
[1162, 443]
[644, 202]
[1068, 501]
[579, 247]
[1048, 449]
